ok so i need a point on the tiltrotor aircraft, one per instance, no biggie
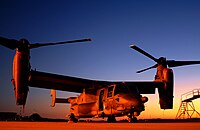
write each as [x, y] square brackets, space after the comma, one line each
[97, 98]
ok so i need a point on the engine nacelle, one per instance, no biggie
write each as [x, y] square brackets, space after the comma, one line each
[166, 91]
[21, 69]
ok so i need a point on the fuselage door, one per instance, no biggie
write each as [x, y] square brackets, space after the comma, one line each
[101, 99]
[109, 100]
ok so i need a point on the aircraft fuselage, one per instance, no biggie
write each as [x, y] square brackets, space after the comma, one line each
[114, 100]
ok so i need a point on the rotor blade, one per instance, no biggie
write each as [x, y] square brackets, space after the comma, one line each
[57, 43]
[9, 43]
[154, 66]
[173, 63]
[143, 52]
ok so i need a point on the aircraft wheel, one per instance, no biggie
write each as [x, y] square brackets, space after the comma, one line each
[73, 118]
[134, 119]
[111, 118]
[103, 115]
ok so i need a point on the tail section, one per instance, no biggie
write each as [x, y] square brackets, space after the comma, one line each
[57, 100]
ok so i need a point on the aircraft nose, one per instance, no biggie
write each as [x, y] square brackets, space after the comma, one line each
[144, 99]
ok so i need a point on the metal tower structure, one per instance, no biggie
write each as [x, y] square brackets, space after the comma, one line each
[187, 106]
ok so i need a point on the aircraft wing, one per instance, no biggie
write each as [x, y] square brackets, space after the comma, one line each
[145, 87]
[74, 84]
[64, 83]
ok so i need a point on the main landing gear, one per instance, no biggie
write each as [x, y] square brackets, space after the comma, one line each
[111, 118]
[72, 118]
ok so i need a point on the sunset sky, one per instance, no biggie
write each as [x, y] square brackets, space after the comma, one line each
[169, 28]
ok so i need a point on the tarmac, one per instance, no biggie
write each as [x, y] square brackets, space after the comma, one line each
[97, 126]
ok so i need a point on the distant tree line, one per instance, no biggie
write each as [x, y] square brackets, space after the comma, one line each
[11, 116]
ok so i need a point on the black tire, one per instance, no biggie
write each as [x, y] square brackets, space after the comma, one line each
[131, 120]
[111, 119]
[73, 118]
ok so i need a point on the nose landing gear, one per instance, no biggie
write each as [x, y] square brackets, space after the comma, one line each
[131, 116]
[132, 119]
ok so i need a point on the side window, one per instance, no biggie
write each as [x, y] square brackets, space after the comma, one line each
[110, 91]
[117, 90]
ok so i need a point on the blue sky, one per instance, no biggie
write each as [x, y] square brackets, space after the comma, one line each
[163, 28]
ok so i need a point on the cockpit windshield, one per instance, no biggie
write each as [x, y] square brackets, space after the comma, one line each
[121, 89]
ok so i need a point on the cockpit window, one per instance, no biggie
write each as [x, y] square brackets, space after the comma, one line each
[110, 91]
[121, 89]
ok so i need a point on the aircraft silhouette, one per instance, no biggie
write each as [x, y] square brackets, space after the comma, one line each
[97, 98]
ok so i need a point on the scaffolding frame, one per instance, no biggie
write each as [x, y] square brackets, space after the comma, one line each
[187, 106]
